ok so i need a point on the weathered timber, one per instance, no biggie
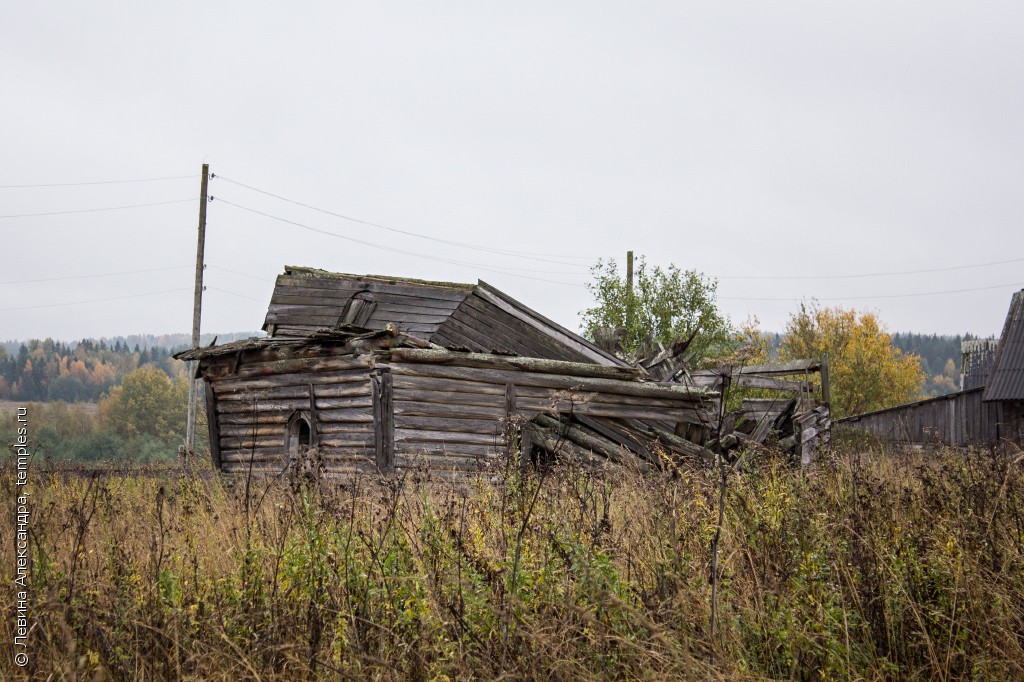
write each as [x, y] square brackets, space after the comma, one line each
[436, 436]
[560, 446]
[212, 424]
[383, 420]
[470, 449]
[596, 445]
[485, 361]
[560, 381]
[339, 378]
[407, 408]
[445, 386]
[547, 327]
[668, 401]
[530, 406]
[670, 441]
[452, 425]
[617, 435]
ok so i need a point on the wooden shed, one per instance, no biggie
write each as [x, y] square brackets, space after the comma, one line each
[990, 410]
[383, 374]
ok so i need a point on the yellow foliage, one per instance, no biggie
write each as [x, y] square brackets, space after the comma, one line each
[866, 371]
[147, 403]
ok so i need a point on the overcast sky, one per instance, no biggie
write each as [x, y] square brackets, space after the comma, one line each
[775, 140]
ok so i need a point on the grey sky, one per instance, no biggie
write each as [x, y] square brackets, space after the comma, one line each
[740, 139]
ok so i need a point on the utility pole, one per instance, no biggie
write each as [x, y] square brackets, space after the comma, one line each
[629, 290]
[197, 311]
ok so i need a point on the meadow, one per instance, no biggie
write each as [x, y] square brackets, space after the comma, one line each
[870, 565]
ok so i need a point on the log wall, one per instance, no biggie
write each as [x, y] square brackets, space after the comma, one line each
[452, 417]
[252, 409]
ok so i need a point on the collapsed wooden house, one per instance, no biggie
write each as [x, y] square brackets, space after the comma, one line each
[989, 410]
[381, 373]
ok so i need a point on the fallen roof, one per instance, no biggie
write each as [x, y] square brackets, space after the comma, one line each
[476, 317]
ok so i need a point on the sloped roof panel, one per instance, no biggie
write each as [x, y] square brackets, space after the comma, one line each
[1006, 380]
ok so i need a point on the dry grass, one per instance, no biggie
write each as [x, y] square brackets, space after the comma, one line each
[867, 567]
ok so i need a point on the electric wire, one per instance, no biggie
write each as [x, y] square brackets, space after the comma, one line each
[225, 291]
[869, 298]
[98, 182]
[95, 210]
[240, 274]
[876, 274]
[474, 266]
[542, 257]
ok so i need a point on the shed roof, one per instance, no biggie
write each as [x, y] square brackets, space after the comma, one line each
[476, 317]
[1006, 379]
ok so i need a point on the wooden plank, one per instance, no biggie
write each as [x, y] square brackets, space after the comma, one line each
[596, 445]
[538, 377]
[347, 416]
[420, 435]
[213, 424]
[545, 326]
[529, 406]
[542, 393]
[450, 424]
[420, 384]
[344, 403]
[429, 447]
[338, 373]
[293, 366]
[413, 290]
[479, 340]
[267, 420]
[261, 406]
[510, 332]
[780, 368]
[427, 409]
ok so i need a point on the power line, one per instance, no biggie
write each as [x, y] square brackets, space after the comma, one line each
[94, 210]
[95, 300]
[876, 274]
[867, 298]
[475, 266]
[240, 274]
[105, 274]
[98, 182]
[225, 291]
[543, 257]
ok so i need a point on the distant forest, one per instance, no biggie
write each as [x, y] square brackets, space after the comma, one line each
[48, 370]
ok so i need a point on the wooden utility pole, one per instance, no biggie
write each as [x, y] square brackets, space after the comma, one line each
[629, 290]
[197, 312]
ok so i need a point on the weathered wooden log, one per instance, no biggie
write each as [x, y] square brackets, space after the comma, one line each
[450, 425]
[520, 379]
[561, 447]
[582, 438]
[408, 408]
[403, 435]
[521, 364]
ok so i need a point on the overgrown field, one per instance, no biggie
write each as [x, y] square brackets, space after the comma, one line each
[869, 566]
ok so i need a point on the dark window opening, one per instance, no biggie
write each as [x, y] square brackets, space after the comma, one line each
[300, 435]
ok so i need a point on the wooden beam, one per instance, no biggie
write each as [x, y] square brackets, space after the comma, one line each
[213, 424]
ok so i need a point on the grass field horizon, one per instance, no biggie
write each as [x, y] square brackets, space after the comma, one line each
[870, 565]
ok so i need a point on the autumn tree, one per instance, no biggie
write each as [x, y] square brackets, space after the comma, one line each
[866, 370]
[666, 305]
[147, 404]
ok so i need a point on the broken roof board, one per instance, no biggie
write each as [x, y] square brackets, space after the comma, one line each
[476, 317]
